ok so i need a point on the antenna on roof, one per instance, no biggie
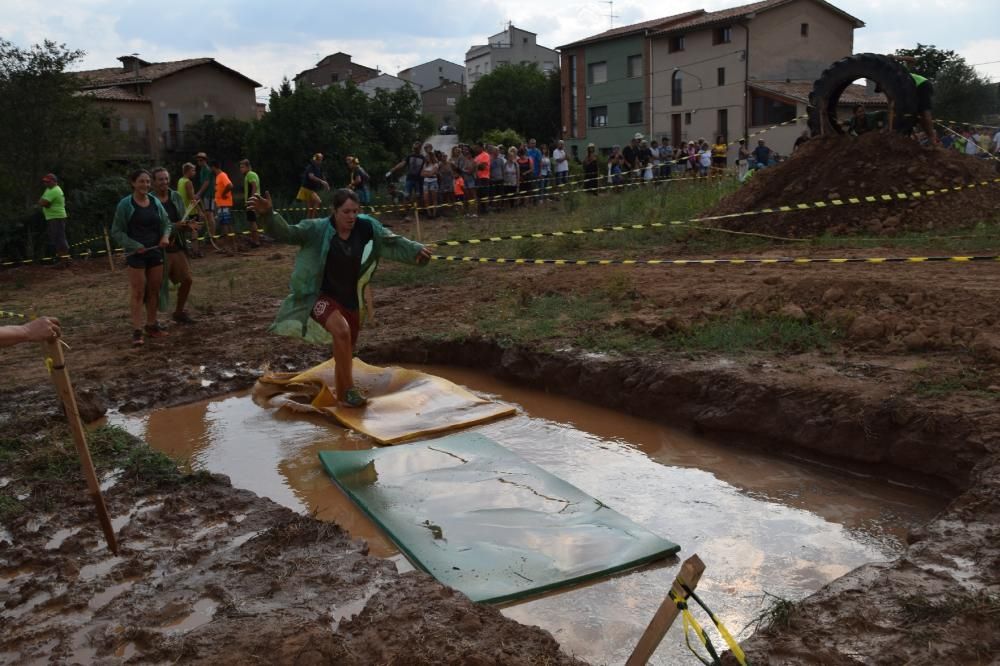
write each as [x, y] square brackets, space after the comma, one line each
[611, 12]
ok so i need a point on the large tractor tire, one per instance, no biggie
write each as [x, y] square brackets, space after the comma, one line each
[893, 79]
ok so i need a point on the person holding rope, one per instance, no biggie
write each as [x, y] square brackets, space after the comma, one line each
[336, 261]
[142, 228]
[36, 330]
[178, 266]
[185, 188]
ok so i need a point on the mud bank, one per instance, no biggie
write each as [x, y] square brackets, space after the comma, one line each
[945, 588]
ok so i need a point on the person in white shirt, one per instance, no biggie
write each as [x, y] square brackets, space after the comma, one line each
[996, 142]
[561, 164]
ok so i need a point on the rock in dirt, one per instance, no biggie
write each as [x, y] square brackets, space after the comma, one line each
[793, 311]
[90, 405]
[916, 341]
[833, 295]
[866, 327]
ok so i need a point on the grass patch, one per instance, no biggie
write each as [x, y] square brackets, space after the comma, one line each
[965, 380]
[746, 332]
[776, 614]
[9, 507]
[403, 275]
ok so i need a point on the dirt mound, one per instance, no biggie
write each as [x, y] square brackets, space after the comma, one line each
[838, 167]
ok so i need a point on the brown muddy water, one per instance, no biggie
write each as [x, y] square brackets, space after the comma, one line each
[759, 522]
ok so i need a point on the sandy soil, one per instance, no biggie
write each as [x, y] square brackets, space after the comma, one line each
[276, 583]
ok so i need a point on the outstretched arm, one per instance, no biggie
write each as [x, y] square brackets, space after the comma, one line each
[39, 330]
[273, 223]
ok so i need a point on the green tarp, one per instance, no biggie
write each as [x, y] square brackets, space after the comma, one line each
[485, 521]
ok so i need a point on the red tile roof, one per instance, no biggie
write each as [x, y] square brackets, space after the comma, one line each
[799, 91]
[147, 72]
[113, 94]
[634, 28]
[735, 13]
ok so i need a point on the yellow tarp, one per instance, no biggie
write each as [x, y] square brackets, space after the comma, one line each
[402, 404]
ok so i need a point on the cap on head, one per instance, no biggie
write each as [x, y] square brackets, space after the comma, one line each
[317, 157]
[638, 136]
[50, 179]
[590, 145]
[201, 156]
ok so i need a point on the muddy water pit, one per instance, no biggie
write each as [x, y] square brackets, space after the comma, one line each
[759, 522]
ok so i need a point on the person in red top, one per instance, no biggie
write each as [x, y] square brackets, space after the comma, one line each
[224, 204]
[482, 160]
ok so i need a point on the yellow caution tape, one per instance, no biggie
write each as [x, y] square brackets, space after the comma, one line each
[717, 262]
[12, 315]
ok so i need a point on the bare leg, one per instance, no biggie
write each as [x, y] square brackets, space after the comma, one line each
[154, 276]
[182, 294]
[343, 351]
[137, 289]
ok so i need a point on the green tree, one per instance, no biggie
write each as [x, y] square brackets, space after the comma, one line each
[224, 139]
[960, 93]
[47, 126]
[519, 97]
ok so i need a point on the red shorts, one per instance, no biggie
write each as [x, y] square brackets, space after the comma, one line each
[326, 306]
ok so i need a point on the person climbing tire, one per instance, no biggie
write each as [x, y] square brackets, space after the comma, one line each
[897, 84]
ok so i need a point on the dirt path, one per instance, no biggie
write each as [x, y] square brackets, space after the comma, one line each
[894, 369]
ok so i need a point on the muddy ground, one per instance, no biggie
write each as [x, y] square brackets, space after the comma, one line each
[891, 370]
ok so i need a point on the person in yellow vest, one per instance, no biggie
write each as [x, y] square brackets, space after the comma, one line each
[53, 205]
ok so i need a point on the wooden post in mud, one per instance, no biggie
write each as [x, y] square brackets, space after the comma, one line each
[107, 245]
[56, 364]
[665, 615]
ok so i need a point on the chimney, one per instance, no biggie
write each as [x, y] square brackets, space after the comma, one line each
[132, 63]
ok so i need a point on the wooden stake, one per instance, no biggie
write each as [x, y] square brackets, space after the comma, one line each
[416, 217]
[57, 368]
[665, 615]
[107, 245]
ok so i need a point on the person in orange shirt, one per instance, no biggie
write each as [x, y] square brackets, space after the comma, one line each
[224, 205]
[459, 189]
[482, 160]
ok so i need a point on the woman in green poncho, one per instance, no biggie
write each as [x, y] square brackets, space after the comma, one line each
[338, 257]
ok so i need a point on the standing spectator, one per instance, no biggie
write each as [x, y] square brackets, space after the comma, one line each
[654, 149]
[481, 158]
[692, 157]
[497, 162]
[616, 164]
[561, 164]
[178, 267]
[310, 185]
[525, 175]
[719, 150]
[205, 192]
[971, 142]
[142, 228]
[996, 142]
[644, 162]
[467, 165]
[358, 180]
[546, 171]
[53, 204]
[666, 155]
[535, 155]
[429, 173]
[224, 205]
[630, 155]
[762, 154]
[704, 158]
[251, 186]
[446, 184]
[590, 170]
[413, 163]
[511, 175]
[742, 160]
[186, 190]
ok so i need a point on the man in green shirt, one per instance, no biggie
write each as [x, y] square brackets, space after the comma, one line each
[251, 186]
[53, 204]
[204, 183]
[862, 123]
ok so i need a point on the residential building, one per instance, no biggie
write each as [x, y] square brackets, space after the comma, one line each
[513, 46]
[434, 73]
[440, 102]
[334, 69]
[606, 84]
[709, 73]
[154, 102]
[386, 82]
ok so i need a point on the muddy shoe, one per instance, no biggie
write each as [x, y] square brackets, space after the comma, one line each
[137, 340]
[183, 317]
[156, 330]
[355, 398]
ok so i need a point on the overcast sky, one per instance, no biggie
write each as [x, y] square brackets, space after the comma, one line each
[269, 40]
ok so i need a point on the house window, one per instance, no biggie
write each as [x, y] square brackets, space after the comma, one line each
[676, 89]
[597, 72]
[722, 35]
[722, 123]
[721, 76]
[334, 78]
[635, 113]
[687, 118]
[634, 66]
[573, 114]
[450, 101]
[123, 124]
[598, 116]
[769, 111]
[804, 30]
[675, 44]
